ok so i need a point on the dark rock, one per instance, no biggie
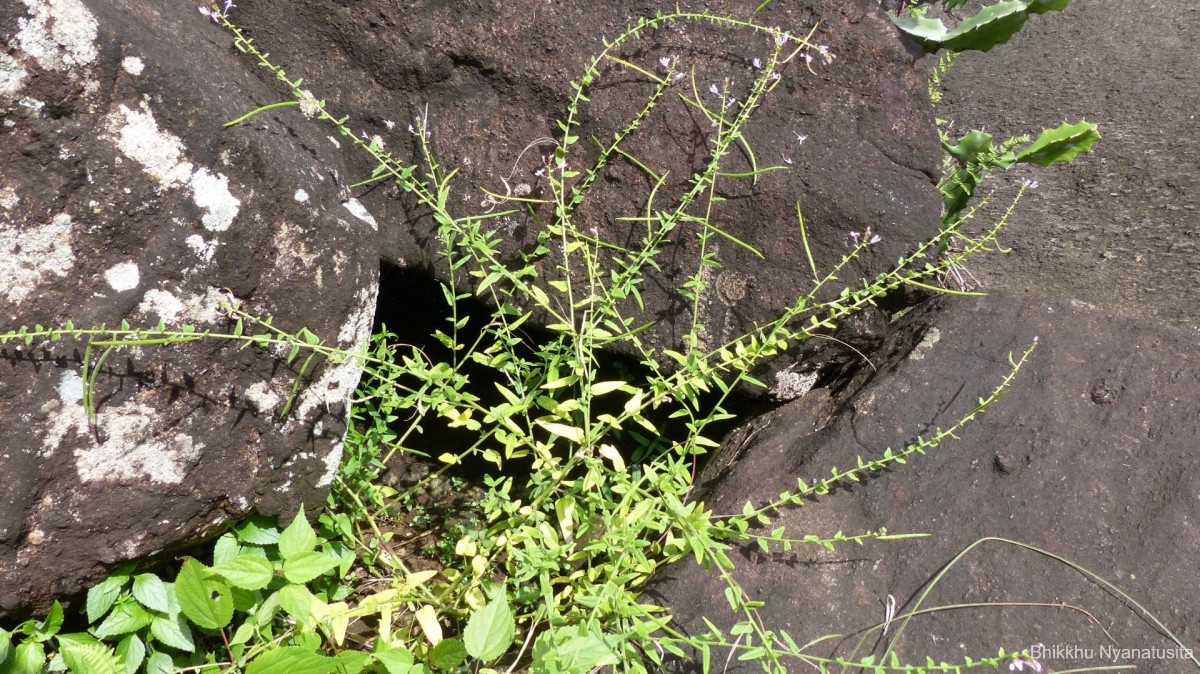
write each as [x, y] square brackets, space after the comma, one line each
[493, 78]
[1111, 487]
[1120, 229]
[121, 197]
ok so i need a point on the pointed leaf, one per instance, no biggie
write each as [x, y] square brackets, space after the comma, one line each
[248, 572]
[150, 591]
[298, 537]
[490, 631]
[291, 660]
[205, 600]
[1060, 145]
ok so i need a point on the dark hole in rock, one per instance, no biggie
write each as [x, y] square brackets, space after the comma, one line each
[412, 306]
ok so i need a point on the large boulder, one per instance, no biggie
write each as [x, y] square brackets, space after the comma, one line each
[1089, 458]
[121, 198]
[492, 78]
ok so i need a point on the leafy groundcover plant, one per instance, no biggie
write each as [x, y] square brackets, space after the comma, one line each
[587, 493]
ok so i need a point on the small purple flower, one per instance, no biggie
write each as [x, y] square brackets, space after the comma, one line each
[1031, 184]
[757, 63]
[665, 61]
[228, 6]
[712, 88]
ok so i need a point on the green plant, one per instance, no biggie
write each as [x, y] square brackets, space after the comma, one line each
[551, 578]
[990, 26]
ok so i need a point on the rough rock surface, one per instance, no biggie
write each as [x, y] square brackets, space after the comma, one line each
[494, 76]
[1122, 229]
[122, 198]
[1091, 457]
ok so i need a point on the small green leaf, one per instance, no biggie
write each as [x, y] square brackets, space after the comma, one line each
[248, 572]
[206, 601]
[490, 631]
[5, 645]
[150, 592]
[101, 597]
[291, 660]
[306, 566]
[52, 624]
[31, 657]
[297, 538]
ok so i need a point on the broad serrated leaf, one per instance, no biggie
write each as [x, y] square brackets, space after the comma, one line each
[150, 592]
[126, 617]
[173, 631]
[395, 661]
[351, 662]
[969, 146]
[258, 531]
[205, 600]
[929, 33]
[159, 663]
[447, 655]
[132, 652]
[308, 565]
[298, 537]
[490, 631]
[1061, 144]
[297, 601]
[291, 660]
[5, 645]
[225, 549]
[83, 654]
[248, 572]
[990, 26]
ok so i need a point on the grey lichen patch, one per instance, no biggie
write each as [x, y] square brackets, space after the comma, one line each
[731, 287]
[211, 192]
[931, 337]
[162, 156]
[359, 211]
[191, 308]
[159, 153]
[133, 447]
[123, 276]
[12, 78]
[133, 65]
[29, 256]
[790, 384]
[263, 396]
[58, 34]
